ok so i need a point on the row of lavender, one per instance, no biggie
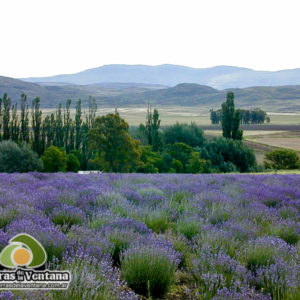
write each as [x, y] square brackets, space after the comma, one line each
[172, 236]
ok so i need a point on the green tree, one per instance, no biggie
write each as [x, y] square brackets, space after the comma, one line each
[231, 119]
[18, 159]
[67, 125]
[227, 155]
[197, 165]
[151, 160]
[190, 134]
[14, 124]
[24, 134]
[36, 116]
[78, 122]
[282, 159]
[54, 159]
[59, 128]
[92, 109]
[180, 152]
[111, 144]
[6, 117]
[150, 131]
[73, 163]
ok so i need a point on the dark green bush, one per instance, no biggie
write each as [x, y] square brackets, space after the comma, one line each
[148, 271]
[73, 164]
[191, 135]
[227, 155]
[18, 159]
[54, 159]
[282, 159]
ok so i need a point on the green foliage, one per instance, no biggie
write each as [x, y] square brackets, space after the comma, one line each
[227, 155]
[197, 165]
[6, 216]
[149, 133]
[188, 228]
[259, 256]
[55, 160]
[191, 135]
[231, 119]
[81, 286]
[288, 234]
[115, 150]
[151, 160]
[18, 159]
[148, 271]
[158, 221]
[176, 166]
[180, 152]
[66, 219]
[73, 164]
[282, 159]
[36, 123]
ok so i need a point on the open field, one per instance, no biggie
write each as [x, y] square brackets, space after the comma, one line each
[168, 235]
[172, 114]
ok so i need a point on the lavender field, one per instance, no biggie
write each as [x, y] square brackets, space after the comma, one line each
[127, 236]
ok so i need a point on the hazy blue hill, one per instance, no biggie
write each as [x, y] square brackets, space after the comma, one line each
[53, 93]
[278, 98]
[220, 77]
[163, 74]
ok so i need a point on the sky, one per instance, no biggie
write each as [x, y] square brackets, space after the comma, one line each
[49, 37]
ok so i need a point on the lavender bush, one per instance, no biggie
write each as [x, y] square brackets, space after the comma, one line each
[173, 236]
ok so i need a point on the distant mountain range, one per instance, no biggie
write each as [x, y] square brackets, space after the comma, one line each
[219, 77]
[277, 98]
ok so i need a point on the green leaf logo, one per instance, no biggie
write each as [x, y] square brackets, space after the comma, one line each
[23, 250]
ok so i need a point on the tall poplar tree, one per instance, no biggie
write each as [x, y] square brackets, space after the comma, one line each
[78, 122]
[59, 130]
[67, 125]
[14, 124]
[36, 121]
[6, 117]
[24, 134]
[231, 119]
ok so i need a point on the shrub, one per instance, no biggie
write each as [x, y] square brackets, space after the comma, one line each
[280, 279]
[188, 228]
[259, 256]
[191, 135]
[121, 240]
[283, 159]
[216, 270]
[148, 271]
[73, 164]
[55, 160]
[181, 153]
[157, 221]
[67, 215]
[6, 216]
[219, 216]
[92, 279]
[288, 234]
[228, 155]
[18, 159]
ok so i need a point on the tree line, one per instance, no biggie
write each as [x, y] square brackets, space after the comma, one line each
[56, 129]
[247, 116]
[59, 141]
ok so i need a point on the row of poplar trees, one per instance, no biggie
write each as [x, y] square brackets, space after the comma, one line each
[44, 130]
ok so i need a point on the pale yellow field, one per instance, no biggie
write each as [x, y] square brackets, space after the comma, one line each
[290, 143]
[172, 114]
